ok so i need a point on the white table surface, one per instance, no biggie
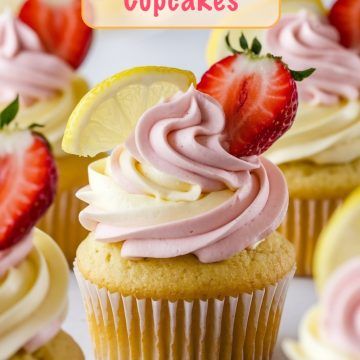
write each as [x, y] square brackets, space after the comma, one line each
[115, 50]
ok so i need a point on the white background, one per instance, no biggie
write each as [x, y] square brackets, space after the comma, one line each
[114, 51]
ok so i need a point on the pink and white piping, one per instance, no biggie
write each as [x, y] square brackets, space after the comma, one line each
[26, 69]
[340, 323]
[183, 139]
[309, 39]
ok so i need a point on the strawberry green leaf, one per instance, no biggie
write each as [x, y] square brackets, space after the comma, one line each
[243, 42]
[9, 113]
[301, 75]
[256, 46]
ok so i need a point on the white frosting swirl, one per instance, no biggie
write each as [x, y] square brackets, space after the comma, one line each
[321, 134]
[33, 296]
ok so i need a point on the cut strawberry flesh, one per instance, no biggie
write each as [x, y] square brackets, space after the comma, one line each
[259, 98]
[27, 187]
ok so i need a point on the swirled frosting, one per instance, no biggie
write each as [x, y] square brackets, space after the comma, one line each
[25, 68]
[327, 126]
[341, 308]
[306, 39]
[331, 330]
[47, 86]
[173, 189]
[33, 293]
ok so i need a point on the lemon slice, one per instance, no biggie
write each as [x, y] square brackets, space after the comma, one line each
[217, 48]
[107, 114]
[339, 241]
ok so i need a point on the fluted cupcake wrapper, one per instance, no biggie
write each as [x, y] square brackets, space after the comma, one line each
[61, 222]
[234, 327]
[302, 226]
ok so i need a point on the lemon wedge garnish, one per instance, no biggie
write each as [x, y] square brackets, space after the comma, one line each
[339, 241]
[107, 115]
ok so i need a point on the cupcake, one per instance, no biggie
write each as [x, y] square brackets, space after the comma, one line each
[49, 89]
[330, 330]
[320, 155]
[182, 259]
[33, 270]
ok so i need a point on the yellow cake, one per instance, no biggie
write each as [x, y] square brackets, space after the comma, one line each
[247, 292]
[316, 191]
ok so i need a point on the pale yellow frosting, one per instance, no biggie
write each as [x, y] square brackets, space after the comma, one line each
[311, 344]
[322, 134]
[33, 295]
[52, 114]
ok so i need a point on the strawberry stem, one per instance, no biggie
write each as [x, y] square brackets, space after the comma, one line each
[243, 42]
[230, 48]
[301, 75]
[256, 46]
[9, 113]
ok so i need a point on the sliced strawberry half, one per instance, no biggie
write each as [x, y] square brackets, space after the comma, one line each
[60, 28]
[258, 95]
[28, 179]
[345, 16]
[27, 186]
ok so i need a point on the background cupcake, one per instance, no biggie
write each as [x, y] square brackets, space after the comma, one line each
[39, 65]
[33, 270]
[330, 330]
[320, 155]
[182, 259]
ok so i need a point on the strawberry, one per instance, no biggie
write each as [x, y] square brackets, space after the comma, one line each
[28, 179]
[60, 28]
[345, 16]
[258, 95]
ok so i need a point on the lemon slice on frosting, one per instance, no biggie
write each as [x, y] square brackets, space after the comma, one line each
[217, 49]
[339, 241]
[106, 115]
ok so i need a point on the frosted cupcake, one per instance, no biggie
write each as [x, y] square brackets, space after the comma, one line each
[49, 89]
[330, 330]
[33, 270]
[182, 259]
[320, 155]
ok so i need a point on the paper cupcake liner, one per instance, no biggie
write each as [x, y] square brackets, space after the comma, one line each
[61, 221]
[302, 226]
[233, 327]
[62, 224]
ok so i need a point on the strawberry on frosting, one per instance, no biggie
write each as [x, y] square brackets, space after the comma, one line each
[189, 179]
[258, 95]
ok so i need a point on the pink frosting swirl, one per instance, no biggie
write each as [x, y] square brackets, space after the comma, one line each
[183, 137]
[25, 68]
[13, 256]
[341, 308]
[308, 40]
